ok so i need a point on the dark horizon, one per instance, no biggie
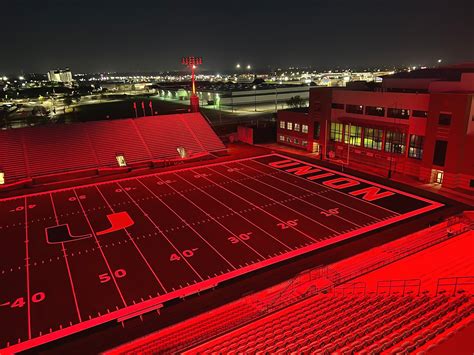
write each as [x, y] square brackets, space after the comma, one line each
[117, 36]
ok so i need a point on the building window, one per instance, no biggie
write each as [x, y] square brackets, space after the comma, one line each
[395, 142]
[398, 113]
[373, 138]
[375, 111]
[282, 124]
[295, 140]
[354, 137]
[304, 128]
[444, 119]
[2, 178]
[418, 113]
[415, 149]
[288, 139]
[336, 132]
[304, 143]
[297, 127]
[439, 156]
[121, 160]
[337, 106]
[282, 138]
[289, 126]
[317, 130]
[359, 109]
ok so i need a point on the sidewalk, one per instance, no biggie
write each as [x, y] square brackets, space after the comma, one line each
[371, 170]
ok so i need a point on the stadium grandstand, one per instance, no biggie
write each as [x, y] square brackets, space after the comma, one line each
[36, 154]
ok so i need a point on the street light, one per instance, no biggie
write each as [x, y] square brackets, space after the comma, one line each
[255, 96]
[237, 66]
[249, 67]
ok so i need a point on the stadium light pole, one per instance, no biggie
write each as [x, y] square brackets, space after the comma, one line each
[192, 63]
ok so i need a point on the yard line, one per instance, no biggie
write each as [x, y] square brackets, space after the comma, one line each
[67, 263]
[134, 243]
[339, 192]
[233, 211]
[289, 183]
[100, 249]
[161, 232]
[210, 216]
[27, 268]
[257, 207]
[281, 204]
[187, 224]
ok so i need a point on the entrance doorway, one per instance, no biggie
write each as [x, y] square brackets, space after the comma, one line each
[437, 177]
[316, 148]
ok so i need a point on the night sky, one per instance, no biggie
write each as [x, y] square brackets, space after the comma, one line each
[150, 36]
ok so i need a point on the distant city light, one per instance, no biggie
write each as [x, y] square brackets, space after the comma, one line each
[439, 60]
[249, 67]
[4, 78]
[21, 77]
[238, 66]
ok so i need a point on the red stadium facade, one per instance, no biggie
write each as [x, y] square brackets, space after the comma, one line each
[418, 124]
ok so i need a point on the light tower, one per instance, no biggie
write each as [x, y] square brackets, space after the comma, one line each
[192, 63]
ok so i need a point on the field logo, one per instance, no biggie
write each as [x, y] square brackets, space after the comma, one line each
[62, 233]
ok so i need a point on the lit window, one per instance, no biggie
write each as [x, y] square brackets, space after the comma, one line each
[297, 127]
[121, 160]
[402, 113]
[304, 143]
[336, 132]
[2, 178]
[359, 109]
[282, 124]
[375, 111]
[289, 126]
[395, 142]
[288, 139]
[304, 128]
[282, 138]
[295, 141]
[354, 137]
[373, 138]
[416, 147]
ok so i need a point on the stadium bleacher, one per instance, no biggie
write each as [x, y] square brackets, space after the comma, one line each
[44, 150]
[347, 324]
[311, 313]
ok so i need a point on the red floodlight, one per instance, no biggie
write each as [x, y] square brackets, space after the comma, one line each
[192, 63]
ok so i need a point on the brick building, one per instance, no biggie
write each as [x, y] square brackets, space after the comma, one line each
[418, 123]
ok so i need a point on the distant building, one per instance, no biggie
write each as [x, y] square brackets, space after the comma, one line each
[60, 76]
[418, 123]
[233, 95]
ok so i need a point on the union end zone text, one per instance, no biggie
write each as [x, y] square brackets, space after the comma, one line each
[382, 196]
